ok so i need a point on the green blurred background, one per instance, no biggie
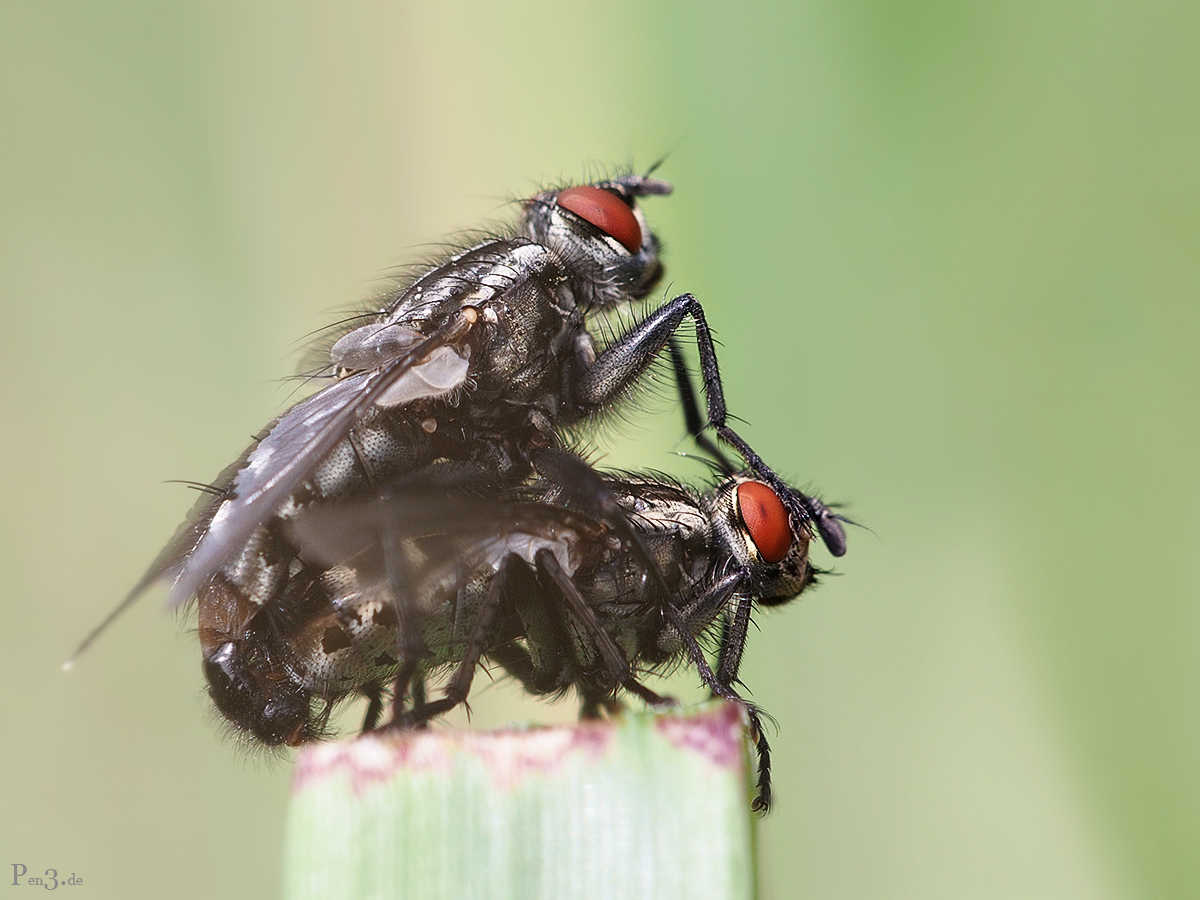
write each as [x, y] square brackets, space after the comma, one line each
[951, 252]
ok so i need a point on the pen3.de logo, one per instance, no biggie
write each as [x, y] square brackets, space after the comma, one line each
[49, 879]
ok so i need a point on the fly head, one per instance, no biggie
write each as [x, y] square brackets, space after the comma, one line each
[600, 233]
[755, 528]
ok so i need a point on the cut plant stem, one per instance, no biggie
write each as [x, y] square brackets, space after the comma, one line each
[646, 805]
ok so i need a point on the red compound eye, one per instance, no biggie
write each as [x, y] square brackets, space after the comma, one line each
[606, 211]
[766, 520]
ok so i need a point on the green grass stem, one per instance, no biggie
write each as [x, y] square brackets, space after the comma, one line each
[650, 805]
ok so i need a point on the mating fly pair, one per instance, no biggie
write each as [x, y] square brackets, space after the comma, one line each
[342, 553]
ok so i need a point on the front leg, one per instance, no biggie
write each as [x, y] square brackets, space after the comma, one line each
[733, 643]
[622, 363]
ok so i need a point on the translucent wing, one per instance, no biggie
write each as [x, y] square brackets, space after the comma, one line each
[449, 526]
[298, 442]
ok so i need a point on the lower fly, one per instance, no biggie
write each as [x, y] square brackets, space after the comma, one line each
[390, 597]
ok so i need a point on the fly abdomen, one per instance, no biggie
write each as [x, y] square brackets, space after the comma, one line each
[244, 666]
[267, 704]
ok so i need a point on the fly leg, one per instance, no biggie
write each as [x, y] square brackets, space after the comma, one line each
[762, 749]
[374, 696]
[417, 691]
[733, 643]
[410, 648]
[615, 663]
[409, 665]
[516, 661]
[827, 522]
[691, 408]
[477, 642]
[625, 360]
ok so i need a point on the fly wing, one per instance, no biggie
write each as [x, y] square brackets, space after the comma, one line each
[273, 468]
[294, 447]
[429, 556]
[350, 533]
[444, 304]
[443, 526]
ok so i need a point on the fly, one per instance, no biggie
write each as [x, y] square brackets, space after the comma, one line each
[391, 594]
